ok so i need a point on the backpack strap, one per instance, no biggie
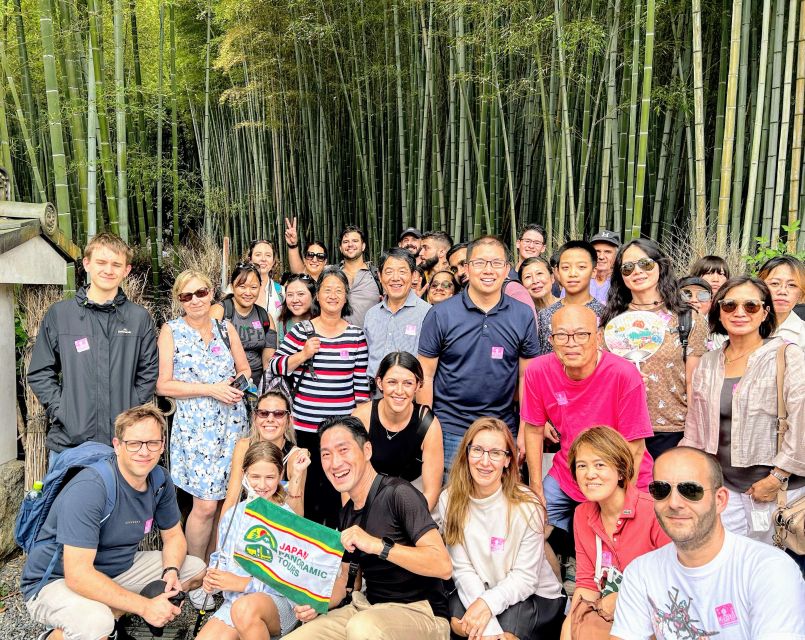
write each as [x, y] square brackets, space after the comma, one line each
[354, 567]
[229, 308]
[224, 334]
[262, 315]
[376, 275]
[425, 420]
[684, 325]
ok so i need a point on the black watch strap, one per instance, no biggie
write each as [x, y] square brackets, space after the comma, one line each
[388, 543]
[166, 569]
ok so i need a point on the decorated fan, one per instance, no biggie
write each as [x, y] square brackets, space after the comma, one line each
[635, 335]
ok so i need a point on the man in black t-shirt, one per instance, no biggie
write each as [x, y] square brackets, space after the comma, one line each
[100, 573]
[388, 532]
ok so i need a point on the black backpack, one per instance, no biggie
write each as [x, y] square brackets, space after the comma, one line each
[229, 312]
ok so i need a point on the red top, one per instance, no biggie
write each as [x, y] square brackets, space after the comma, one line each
[637, 532]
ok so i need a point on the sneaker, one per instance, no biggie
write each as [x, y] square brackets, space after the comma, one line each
[44, 634]
[201, 600]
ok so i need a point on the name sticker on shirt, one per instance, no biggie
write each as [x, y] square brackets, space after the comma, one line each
[725, 613]
[561, 398]
[410, 329]
[82, 345]
[148, 524]
[277, 304]
[216, 349]
[345, 354]
[257, 324]
[496, 545]
[497, 353]
[606, 558]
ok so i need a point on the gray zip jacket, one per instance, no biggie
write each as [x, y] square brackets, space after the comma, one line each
[89, 363]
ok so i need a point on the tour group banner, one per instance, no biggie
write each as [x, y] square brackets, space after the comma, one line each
[293, 555]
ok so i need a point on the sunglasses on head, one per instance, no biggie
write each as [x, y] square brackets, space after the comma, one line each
[278, 414]
[690, 491]
[313, 255]
[701, 296]
[750, 306]
[645, 264]
[198, 293]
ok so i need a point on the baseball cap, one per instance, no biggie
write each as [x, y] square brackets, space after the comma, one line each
[606, 236]
[410, 231]
[688, 281]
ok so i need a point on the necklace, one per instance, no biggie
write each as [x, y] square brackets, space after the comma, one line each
[645, 304]
[390, 435]
[740, 357]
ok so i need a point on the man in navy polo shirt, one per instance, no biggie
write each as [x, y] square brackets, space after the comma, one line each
[475, 346]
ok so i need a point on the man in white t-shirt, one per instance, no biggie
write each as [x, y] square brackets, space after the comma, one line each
[708, 582]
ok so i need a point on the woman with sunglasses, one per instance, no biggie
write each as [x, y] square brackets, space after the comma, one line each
[271, 422]
[537, 276]
[443, 285]
[263, 256]
[643, 280]
[493, 526]
[197, 367]
[312, 260]
[406, 437]
[615, 525]
[785, 277]
[300, 290]
[733, 408]
[255, 327]
[326, 361]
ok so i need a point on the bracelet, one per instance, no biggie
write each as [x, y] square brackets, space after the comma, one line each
[166, 569]
[290, 495]
[292, 246]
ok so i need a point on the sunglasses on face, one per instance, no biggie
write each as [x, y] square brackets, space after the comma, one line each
[277, 414]
[645, 264]
[447, 285]
[701, 296]
[313, 255]
[690, 491]
[750, 306]
[198, 293]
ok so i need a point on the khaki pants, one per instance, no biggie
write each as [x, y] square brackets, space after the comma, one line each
[363, 621]
[58, 607]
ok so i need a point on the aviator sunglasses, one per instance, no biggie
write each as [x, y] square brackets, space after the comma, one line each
[645, 264]
[690, 491]
[750, 306]
[199, 293]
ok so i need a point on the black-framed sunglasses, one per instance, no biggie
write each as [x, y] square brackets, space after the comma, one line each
[315, 255]
[198, 293]
[701, 296]
[689, 490]
[645, 264]
[731, 306]
[278, 414]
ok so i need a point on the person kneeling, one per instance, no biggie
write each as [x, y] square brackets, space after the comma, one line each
[99, 573]
[493, 525]
[388, 532]
[251, 608]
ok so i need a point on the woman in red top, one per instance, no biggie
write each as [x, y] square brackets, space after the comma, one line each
[617, 524]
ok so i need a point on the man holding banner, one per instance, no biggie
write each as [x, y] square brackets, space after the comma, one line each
[389, 535]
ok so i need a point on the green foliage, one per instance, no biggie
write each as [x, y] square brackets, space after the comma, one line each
[765, 251]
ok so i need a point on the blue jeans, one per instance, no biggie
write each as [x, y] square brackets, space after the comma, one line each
[451, 444]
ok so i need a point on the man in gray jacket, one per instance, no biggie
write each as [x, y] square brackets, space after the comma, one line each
[95, 355]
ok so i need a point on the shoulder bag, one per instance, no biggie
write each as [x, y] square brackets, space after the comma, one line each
[588, 620]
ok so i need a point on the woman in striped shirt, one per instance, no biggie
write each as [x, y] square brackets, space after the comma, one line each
[325, 361]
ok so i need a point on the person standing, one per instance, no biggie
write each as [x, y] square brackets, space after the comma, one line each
[785, 277]
[364, 284]
[411, 241]
[271, 297]
[457, 259]
[435, 245]
[95, 355]
[531, 242]
[475, 347]
[606, 244]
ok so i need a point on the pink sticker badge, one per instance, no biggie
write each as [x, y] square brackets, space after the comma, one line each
[257, 324]
[561, 398]
[148, 524]
[496, 545]
[410, 329]
[216, 349]
[345, 354]
[82, 345]
[725, 613]
[277, 304]
[606, 558]
[497, 353]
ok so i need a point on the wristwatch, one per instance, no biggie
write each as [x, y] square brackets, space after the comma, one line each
[782, 478]
[388, 543]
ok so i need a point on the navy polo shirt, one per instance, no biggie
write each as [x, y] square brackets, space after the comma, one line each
[479, 357]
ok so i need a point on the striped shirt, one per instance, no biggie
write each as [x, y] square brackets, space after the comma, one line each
[340, 382]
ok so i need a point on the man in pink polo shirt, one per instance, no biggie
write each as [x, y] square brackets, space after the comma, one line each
[576, 387]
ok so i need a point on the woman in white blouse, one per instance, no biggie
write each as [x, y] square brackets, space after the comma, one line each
[785, 278]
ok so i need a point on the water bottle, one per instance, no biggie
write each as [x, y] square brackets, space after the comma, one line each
[36, 490]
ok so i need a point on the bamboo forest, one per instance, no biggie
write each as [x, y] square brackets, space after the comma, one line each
[162, 119]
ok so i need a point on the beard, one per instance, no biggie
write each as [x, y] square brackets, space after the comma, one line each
[429, 263]
[703, 529]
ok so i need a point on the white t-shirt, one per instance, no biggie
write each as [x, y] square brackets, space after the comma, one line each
[749, 591]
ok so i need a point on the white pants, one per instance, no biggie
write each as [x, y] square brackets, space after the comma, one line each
[737, 517]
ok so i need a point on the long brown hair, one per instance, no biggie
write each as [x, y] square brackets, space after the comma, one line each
[266, 451]
[460, 486]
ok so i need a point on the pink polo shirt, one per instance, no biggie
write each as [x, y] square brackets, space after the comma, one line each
[613, 396]
[637, 532]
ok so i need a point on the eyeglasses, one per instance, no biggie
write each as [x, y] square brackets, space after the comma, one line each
[312, 255]
[580, 337]
[645, 264]
[133, 446]
[532, 243]
[198, 293]
[442, 285]
[277, 414]
[480, 264]
[701, 296]
[476, 452]
[750, 306]
[690, 491]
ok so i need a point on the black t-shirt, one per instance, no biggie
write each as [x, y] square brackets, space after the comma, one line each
[399, 512]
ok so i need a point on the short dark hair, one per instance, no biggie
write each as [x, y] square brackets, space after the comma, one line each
[331, 270]
[791, 262]
[439, 236]
[455, 248]
[400, 359]
[534, 260]
[766, 327]
[710, 264]
[242, 271]
[398, 253]
[350, 423]
[491, 240]
[713, 465]
[533, 227]
[351, 228]
[578, 244]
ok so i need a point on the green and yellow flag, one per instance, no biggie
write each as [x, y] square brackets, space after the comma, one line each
[293, 555]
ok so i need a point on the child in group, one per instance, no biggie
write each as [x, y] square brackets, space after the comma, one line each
[250, 606]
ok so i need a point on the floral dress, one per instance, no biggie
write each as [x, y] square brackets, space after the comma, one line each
[205, 430]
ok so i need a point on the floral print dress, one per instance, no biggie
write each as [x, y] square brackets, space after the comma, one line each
[205, 430]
